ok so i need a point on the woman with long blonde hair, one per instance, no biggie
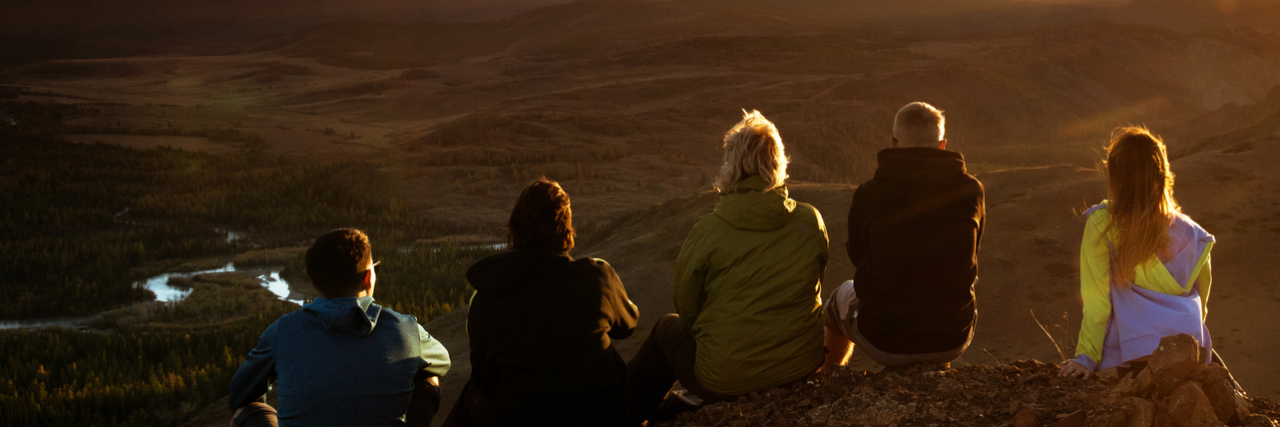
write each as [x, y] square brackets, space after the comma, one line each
[1144, 266]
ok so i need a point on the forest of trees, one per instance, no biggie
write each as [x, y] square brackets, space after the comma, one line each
[61, 236]
[81, 220]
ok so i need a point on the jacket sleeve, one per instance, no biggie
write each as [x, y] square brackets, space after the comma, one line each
[1095, 290]
[690, 281]
[435, 358]
[857, 234]
[623, 314]
[249, 384]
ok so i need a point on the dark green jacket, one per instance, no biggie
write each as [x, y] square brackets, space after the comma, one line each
[747, 285]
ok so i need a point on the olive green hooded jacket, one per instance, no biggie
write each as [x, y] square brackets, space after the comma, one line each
[747, 285]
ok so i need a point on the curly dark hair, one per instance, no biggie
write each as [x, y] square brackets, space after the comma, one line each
[541, 218]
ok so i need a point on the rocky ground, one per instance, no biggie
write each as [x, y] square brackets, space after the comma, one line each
[1174, 390]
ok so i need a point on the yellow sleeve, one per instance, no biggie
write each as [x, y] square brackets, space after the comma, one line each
[1095, 287]
[1206, 281]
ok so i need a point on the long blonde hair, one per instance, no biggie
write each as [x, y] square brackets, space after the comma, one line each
[1140, 190]
[753, 147]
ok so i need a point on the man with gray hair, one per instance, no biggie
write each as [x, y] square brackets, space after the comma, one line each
[914, 233]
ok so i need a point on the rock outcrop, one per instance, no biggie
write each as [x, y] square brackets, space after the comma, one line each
[1175, 389]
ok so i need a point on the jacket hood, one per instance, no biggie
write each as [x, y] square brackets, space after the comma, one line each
[919, 164]
[507, 269]
[746, 206]
[350, 314]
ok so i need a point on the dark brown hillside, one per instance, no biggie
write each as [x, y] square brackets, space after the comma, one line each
[1201, 14]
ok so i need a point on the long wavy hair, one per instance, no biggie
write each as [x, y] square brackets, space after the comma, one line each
[753, 147]
[1140, 190]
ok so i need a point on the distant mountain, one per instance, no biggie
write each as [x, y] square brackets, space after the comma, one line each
[61, 29]
[59, 15]
[1190, 15]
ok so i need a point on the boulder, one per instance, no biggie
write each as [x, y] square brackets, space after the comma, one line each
[1140, 412]
[1162, 418]
[1210, 373]
[1174, 349]
[1259, 421]
[1111, 416]
[1189, 407]
[1228, 405]
[1144, 383]
[1025, 418]
[1128, 386]
[1172, 376]
[1074, 419]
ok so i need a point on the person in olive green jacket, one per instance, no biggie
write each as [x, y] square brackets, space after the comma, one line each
[747, 288]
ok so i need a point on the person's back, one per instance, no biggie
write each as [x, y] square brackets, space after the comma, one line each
[746, 288]
[541, 326]
[1162, 299]
[914, 232]
[747, 280]
[341, 360]
[336, 355]
[1144, 266]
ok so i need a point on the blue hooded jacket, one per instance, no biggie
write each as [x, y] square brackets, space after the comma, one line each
[339, 362]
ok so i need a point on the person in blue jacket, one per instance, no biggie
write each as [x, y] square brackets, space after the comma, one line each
[341, 360]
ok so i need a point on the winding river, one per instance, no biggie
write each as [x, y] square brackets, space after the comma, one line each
[268, 276]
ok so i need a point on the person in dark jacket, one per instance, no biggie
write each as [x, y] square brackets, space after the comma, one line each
[341, 360]
[914, 233]
[542, 326]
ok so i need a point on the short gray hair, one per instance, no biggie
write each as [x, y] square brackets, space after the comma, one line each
[753, 147]
[919, 125]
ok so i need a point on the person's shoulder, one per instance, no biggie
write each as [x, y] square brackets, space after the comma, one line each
[389, 315]
[806, 210]
[973, 183]
[271, 330]
[1097, 216]
[1099, 210]
[1196, 230]
[811, 218]
[591, 266]
[866, 187]
[707, 224]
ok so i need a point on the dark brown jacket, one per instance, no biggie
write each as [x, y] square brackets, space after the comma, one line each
[914, 233]
[541, 327]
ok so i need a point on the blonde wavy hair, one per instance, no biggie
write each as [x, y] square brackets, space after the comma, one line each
[1140, 190]
[753, 147]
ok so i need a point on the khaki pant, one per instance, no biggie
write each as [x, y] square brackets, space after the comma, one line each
[841, 311]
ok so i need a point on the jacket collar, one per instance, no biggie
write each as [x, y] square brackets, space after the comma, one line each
[357, 316]
[509, 269]
[745, 205]
[916, 164]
